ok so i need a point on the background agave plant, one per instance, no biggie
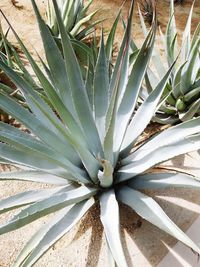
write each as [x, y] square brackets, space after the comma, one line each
[184, 84]
[79, 26]
[87, 148]
[74, 17]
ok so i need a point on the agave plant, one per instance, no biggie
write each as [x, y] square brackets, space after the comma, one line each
[78, 25]
[6, 48]
[87, 148]
[74, 17]
[11, 56]
[86, 49]
[184, 84]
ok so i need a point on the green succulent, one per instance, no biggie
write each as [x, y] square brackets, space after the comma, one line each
[86, 149]
[7, 51]
[9, 55]
[183, 88]
[74, 18]
[78, 25]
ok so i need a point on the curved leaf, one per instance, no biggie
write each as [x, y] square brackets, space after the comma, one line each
[164, 180]
[167, 137]
[110, 220]
[193, 109]
[111, 37]
[159, 155]
[33, 176]
[49, 205]
[117, 86]
[148, 209]
[50, 234]
[55, 61]
[186, 42]
[129, 100]
[101, 87]
[139, 121]
[37, 127]
[29, 144]
[78, 90]
[29, 197]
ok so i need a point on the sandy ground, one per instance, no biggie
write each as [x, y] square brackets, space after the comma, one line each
[85, 244]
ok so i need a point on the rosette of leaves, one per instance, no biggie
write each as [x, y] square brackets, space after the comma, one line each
[87, 148]
[74, 15]
[183, 87]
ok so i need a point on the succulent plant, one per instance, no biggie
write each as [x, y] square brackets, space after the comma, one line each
[79, 26]
[11, 56]
[6, 48]
[74, 17]
[183, 102]
[87, 148]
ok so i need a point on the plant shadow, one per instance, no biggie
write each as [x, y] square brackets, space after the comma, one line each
[137, 233]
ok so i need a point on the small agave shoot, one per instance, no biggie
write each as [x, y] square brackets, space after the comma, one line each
[85, 148]
[184, 84]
